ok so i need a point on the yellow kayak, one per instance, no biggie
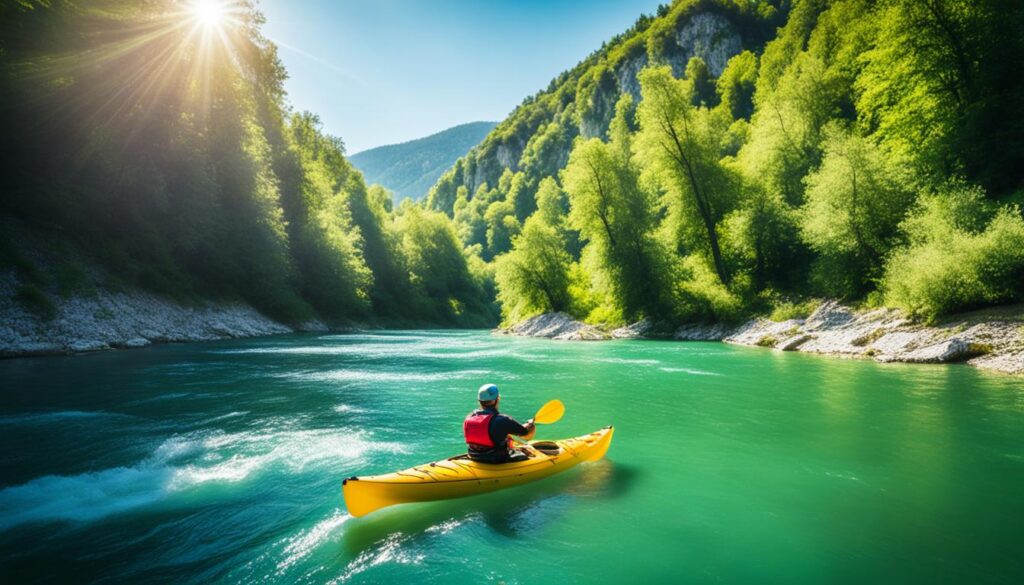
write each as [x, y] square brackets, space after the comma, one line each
[458, 477]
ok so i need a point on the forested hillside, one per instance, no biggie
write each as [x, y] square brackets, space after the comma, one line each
[409, 169]
[164, 148]
[724, 159]
[719, 159]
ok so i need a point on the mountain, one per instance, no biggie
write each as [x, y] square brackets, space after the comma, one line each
[536, 138]
[728, 158]
[410, 168]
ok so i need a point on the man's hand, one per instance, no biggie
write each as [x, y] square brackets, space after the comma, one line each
[531, 429]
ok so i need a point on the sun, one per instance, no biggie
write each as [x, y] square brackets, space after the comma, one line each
[209, 13]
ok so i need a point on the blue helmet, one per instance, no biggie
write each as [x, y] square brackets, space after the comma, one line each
[487, 393]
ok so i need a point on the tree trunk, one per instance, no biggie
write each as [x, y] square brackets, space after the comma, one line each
[703, 207]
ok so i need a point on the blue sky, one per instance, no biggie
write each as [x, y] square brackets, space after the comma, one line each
[385, 71]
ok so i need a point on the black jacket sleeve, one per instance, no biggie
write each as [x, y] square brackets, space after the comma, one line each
[507, 425]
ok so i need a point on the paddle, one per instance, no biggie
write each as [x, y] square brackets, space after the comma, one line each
[548, 414]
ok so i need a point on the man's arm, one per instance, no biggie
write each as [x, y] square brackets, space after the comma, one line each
[513, 427]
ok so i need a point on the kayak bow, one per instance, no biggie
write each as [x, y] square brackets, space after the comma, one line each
[458, 476]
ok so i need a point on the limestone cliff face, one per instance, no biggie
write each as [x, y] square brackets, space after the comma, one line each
[626, 79]
[710, 36]
[582, 101]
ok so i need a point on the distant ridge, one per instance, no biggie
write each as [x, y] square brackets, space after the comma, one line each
[409, 169]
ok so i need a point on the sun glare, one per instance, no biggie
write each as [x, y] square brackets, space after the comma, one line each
[209, 13]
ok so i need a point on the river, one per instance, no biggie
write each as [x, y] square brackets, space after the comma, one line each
[222, 462]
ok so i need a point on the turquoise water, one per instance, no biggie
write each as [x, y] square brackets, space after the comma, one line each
[222, 462]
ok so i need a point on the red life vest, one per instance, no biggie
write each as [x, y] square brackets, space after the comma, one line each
[476, 428]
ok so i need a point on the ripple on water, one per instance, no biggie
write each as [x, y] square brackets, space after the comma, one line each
[634, 361]
[230, 415]
[347, 375]
[445, 527]
[393, 549]
[390, 338]
[58, 416]
[349, 409]
[382, 347]
[305, 542]
[181, 464]
[372, 349]
[693, 371]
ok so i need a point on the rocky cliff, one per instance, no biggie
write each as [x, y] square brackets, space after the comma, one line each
[536, 138]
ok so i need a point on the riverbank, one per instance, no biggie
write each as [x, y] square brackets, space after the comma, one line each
[54, 299]
[105, 320]
[992, 339]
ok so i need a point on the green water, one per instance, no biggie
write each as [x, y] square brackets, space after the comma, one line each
[222, 462]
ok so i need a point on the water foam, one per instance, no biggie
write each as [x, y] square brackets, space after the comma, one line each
[349, 409]
[81, 498]
[445, 527]
[639, 362]
[693, 371]
[180, 464]
[384, 376]
[234, 457]
[383, 348]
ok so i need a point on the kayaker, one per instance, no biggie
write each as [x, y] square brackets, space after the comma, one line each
[488, 432]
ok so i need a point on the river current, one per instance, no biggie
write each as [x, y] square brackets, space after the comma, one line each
[223, 462]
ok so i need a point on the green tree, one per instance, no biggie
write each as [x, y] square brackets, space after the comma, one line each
[439, 269]
[681, 147]
[855, 202]
[328, 246]
[391, 294]
[617, 219]
[534, 277]
[785, 131]
[703, 86]
[553, 209]
[736, 85]
[502, 226]
[961, 253]
[469, 215]
[938, 90]
[761, 237]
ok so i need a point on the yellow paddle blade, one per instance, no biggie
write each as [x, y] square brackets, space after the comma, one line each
[550, 413]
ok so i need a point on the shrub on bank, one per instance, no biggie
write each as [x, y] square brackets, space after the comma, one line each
[705, 297]
[961, 253]
[784, 310]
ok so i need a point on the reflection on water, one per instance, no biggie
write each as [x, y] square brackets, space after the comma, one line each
[511, 513]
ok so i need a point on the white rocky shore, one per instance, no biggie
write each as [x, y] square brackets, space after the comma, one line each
[992, 339]
[105, 320]
[556, 326]
[97, 315]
